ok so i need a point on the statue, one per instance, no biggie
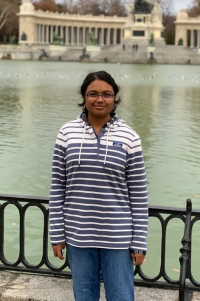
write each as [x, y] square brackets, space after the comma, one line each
[23, 36]
[56, 39]
[142, 7]
[44, 55]
[92, 39]
[151, 49]
[151, 42]
[130, 11]
[13, 40]
[84, 55]
[157, 14]
[180, 42]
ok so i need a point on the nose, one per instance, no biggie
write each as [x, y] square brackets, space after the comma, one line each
[100, 98]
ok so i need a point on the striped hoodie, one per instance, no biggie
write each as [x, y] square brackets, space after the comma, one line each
[98, 195]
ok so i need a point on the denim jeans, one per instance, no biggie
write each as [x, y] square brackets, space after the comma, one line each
[116, 267]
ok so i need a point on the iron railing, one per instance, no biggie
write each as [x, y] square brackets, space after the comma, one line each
[185, 284]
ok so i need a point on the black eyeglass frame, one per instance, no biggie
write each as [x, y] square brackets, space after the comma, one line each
[102, 96]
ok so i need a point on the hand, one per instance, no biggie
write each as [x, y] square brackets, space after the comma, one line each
[138, 258]
[57, 251]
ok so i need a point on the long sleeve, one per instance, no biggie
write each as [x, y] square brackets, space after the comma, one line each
[57, 192]
[137, 186]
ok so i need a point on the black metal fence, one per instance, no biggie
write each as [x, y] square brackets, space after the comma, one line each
[185, 284]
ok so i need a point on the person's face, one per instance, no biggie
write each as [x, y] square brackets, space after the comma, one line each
[101, 106]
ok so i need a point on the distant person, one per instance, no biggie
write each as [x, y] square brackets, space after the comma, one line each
[136, 47]
[133, 46]
[124, 47]
[98, 206]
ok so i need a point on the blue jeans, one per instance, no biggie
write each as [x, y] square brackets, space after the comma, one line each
[117, 271]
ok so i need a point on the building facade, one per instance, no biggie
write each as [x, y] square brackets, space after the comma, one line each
[187, 30]
[37, 27]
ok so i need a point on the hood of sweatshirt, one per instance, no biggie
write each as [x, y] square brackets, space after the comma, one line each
[113, 123]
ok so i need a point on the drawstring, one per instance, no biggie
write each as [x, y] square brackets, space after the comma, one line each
[79, 158]
[106, 147]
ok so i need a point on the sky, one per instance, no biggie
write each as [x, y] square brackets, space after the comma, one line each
[178, 4]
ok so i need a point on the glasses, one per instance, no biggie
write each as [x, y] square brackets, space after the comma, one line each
[95, 96]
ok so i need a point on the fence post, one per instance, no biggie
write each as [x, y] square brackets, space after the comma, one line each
[185, 259]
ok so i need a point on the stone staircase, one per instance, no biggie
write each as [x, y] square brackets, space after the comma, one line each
[163, 54]
[170, 54]
[116, 54]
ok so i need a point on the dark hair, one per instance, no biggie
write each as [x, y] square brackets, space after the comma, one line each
[101, 75]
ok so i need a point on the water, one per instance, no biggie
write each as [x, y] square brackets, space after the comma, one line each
[162, 103]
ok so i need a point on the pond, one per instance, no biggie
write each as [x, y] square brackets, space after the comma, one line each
[160, 102]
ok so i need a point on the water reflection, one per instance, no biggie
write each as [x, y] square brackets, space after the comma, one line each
[161, 103]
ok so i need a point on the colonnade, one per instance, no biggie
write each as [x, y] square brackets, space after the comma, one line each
[72, 35]
[193, 38]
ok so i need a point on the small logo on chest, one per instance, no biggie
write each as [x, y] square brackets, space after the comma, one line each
[118, 144]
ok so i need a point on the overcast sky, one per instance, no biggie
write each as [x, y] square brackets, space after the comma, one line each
[178, 4]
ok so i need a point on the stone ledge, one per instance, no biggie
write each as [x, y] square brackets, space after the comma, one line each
[28, 287]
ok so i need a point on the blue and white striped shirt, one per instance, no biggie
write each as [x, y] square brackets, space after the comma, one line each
[98, 194]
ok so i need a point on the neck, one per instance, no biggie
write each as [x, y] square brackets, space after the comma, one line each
[98, 123]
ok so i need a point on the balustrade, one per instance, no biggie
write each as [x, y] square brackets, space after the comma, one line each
[185, 283]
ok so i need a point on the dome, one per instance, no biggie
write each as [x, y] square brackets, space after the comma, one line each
[182, 15]
[27, 6]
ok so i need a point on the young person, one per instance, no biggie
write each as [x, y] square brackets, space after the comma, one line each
[98, 205]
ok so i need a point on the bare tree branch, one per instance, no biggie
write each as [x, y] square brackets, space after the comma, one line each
[4, 13]
[8, 19]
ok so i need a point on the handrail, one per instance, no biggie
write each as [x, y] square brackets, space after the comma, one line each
[163, 214]
[185, 259]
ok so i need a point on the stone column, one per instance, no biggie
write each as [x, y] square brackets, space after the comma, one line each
[198, 38]
[121, 35]
[115, 36]
[42, 34]
[108, 37]
[192, 38]
[66, 36]
[36, 33]
[47, 34]
[84, 35]
[51, 37]
[61, 34]
[102, 36]
[78, 35]
[72, 35]
[39, 33]
[96, 32]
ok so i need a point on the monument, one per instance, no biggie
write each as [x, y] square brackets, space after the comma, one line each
[187, 30]
[142, 7]
[144, 19]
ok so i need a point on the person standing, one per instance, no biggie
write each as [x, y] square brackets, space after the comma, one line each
[98, 206]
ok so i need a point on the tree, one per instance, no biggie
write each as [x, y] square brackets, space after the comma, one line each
[45, 5]
[9, 25]
[194, 9]
[167, 7]
[117, 7]
[97, 7]
[168, 21]
[4, 14]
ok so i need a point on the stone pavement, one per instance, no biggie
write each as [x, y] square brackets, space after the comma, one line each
[23, 287]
